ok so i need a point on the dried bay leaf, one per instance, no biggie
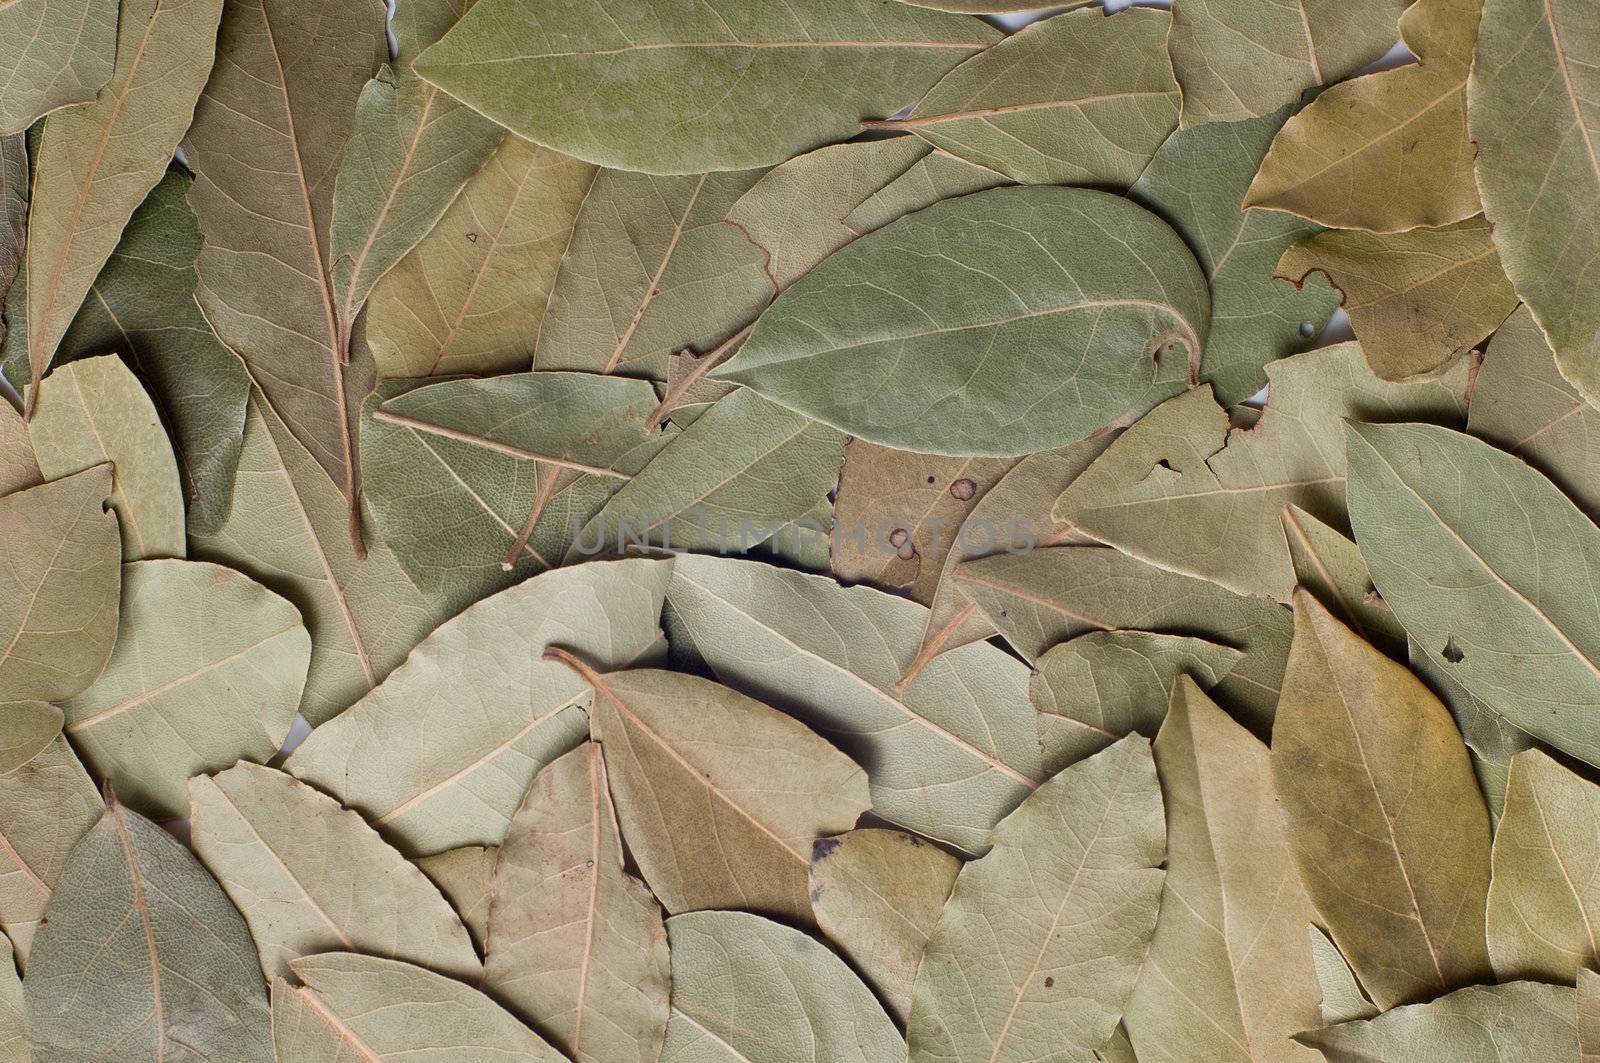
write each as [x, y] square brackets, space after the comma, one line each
[45, 807]
[670, 73]
[949, 755]
[1240, 59]
[1386, 152]
[1035, 277]
[1082, 98]
[1510, 618]
[14, 184]
[18, 467]
[55, 53]
[1096, 688]
[58, 586]
[94, 412]
[1233, 913]
[1522, 404]
[877, 895]
[1183, 491]
[1074, 878]
[576, 944]
[1342, 998]
[142, 957]
[937, 175]
[744, 987]
[1048, 595]
[1388, 828]
[1530, 117]
[1589, 1015]
[1331, 567]
[1523, 1022]
[699, 769]
[1416, 300]
[30, 727]
[13, 1030]
[1196, 182]
[208, 670]
[268, 135]
[373, 1010]
[97, 162]
[310, 876]
[451, 740]
[1543, 898]
[286, 530]
[466, 878]
[983, 7]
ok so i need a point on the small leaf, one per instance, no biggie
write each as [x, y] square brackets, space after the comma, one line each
[14, 181]
[29, 728]
[1523, 1022]
[934, 177]
[57, 53]
[45, 807]
[466, 878]
[1342, 998]
[18, 467]
[1332, 569]
[1589, 1016]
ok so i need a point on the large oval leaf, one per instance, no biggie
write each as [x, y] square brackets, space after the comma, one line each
[922, 335]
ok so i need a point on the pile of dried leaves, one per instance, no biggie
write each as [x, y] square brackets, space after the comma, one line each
[759, 505]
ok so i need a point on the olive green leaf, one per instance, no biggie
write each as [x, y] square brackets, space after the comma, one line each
[897, 514]
[411, 150]
[1230, 973]
[1083, 98]
[266, 142]
[29, 728]
[672, 75]
[476, 484]
[719, 795]
[203, 653]
[730, 480]
[1509, 617]
[1389, 831]
[950, 754]
[97, 162]
[286, 530]
[1096, 688]
[94, 412]
[937, 175]
[18, 467]
[440, 754]
[1044, 274]
[310, 876]
[470, 296]
[58, 586]
[14, 181]
[142, 957]
[1012, 516]
[1039, 946]
[1182, 490]
[1045, 596]
[55, 53]
[877, 895]
[576, 944]
[1116, 1050]
[1416, 300]
[1524, 405]
[1544, 899]
[1523, 1022]
[13, 1028]
[652, 268]
[1589, 1015]
[1240, 59]
[45, 807]
[1195, 183]
[1342, 997]
[1538, 165]
[373, 1009]
[466, 878]
[1389, 151]
[142, 307]
[1331, 568]
[744, 987]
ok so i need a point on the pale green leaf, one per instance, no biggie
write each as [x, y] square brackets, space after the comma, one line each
[466, 878]
[45, 807]
[1330, 566]
[13, 1029]
[29, 729]
[1342, 998]
[1523, 1022]
[54, 53]
[934, 177]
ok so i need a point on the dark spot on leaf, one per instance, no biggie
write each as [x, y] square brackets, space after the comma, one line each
[1307, 329]
[472, 238]
[1164, 464]
[1049, 983]
[931, 479]
[963, 489]
[823, 848]
[1453, 653]
[899, 537]
[1004, 614]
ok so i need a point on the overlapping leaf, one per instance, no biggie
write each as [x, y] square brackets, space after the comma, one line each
[54, 53]
[45, 807]
[466, 877]
[29, 727]
[1522, 1022]
[1331, 568]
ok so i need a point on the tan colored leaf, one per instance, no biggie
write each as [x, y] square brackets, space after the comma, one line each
[466, 878]
[14, 188]
[1388, 828]
[97, 162]
[13, 1027]
[1389, 151]
[95, 412]
[1039, 945]
[1416, 300]
[58, 586]
[54, 53]
[1330, 566]
[310, 876]
[1523, 1022]
[45, 807]
[576, 944]
[1230, 973]
[719, 795]
[1342, 997]
[18, 467]
[28, 730]
[1589, 1016]
[877, 895]
[440, 755]
[1183, 491]
[470, 296]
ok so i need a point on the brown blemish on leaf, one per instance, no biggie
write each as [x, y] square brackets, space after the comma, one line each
[963, 489]
[1452, 652]
[899, 538]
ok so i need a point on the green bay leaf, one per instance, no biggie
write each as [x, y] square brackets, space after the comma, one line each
[1522, 1022]
[1331, 568]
